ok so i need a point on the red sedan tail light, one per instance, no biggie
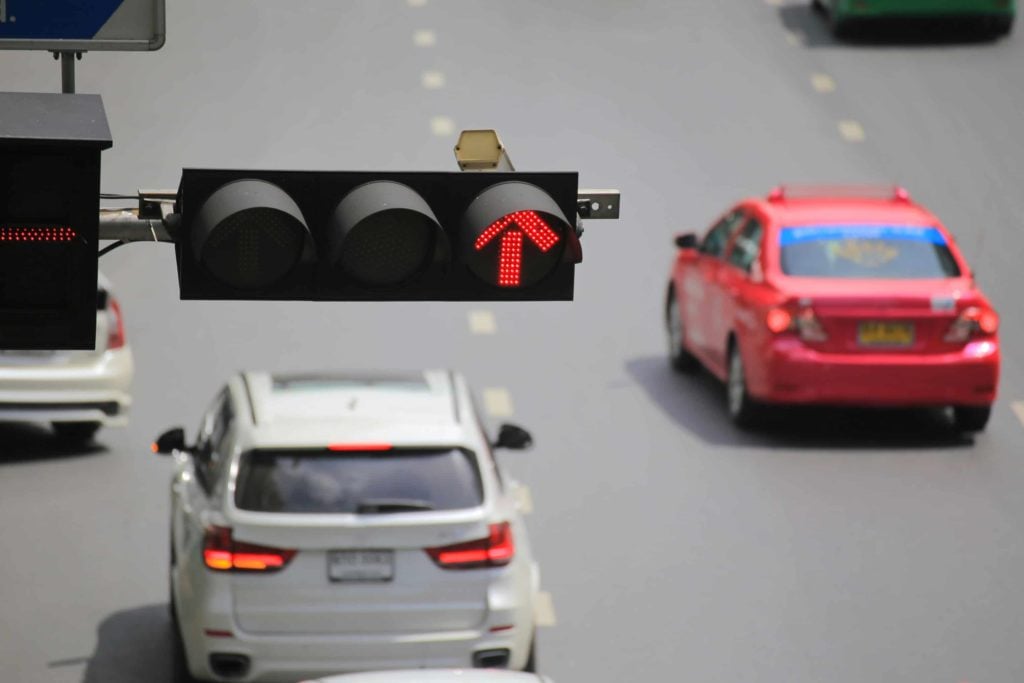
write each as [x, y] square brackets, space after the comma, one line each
[974, 321]
[222, 553]
[800, 319]
[496, 550]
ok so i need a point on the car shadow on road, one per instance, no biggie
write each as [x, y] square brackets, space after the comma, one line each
[26, 442]
[697, 404]
[133, 645]
[811, 25]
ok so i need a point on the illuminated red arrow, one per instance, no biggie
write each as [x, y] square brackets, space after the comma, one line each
[510, 257]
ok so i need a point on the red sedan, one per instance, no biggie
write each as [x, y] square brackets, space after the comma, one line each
[833, 296]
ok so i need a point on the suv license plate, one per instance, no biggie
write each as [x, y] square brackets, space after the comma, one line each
[361, 565]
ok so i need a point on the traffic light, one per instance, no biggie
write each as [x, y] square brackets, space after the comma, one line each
[376, 236]
[49, 219]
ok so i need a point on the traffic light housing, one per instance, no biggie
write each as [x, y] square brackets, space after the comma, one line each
[49, 219]
[376, 236]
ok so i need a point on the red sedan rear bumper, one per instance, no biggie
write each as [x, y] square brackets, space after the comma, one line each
[791, 372]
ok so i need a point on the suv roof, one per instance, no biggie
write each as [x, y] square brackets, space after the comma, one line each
[319, 409]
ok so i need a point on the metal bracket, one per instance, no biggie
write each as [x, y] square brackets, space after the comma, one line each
[153, 221]
[594, 204]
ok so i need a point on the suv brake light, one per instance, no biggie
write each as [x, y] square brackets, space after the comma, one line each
[974, 321]
[222, 553]
[115, 338]
[496, 550]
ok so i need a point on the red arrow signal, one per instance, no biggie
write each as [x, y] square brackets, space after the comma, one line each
[510, 256]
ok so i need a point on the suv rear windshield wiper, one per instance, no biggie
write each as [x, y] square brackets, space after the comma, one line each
[382, 505]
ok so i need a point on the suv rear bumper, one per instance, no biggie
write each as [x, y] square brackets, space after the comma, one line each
[99, 391]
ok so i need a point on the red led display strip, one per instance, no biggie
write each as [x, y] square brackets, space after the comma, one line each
[510, 257]
[37, 233]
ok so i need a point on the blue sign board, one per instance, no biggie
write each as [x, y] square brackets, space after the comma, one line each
[81, 25]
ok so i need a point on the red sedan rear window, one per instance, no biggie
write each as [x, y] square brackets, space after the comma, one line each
[897, 252]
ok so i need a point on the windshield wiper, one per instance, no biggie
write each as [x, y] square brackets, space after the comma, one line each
[382, 505]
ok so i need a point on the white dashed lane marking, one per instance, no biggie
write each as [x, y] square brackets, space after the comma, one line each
[416, 3]
[424, 38]
[482, 322]
[432, 80]
[544, 609]
[851, 131]
[498, 402]
[823, 83]
[442, 126]
[1018, 410]
[795, 38]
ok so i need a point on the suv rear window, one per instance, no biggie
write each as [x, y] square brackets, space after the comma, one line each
[898, 252]
[306, 481]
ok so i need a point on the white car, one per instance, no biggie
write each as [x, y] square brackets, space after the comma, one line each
[436, 676]
[327, 523]
[76, 391]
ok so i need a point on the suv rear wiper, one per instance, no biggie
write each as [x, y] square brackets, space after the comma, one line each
[381, 505]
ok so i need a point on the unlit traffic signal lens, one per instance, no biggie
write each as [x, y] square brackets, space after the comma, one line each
[376, 235]
[383, 234]
[513, 235]
[249, 234]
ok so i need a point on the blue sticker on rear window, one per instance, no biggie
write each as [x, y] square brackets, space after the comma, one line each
[815, 233]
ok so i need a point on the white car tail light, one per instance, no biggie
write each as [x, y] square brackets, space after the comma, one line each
[496, 550]
[115, 338]
[222, 553]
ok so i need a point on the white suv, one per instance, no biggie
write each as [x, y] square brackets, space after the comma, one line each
[76, 391]
[330, 523]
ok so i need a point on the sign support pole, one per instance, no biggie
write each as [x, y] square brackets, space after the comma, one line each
[67, 69]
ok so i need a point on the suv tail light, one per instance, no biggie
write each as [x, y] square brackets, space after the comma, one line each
[115, 339]
[796, 318]
[496, 550]
[223, 553]
[973, 321]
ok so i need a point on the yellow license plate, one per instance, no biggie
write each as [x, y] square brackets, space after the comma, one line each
[885, 334]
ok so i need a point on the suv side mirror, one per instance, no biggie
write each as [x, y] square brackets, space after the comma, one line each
[686, 240]
[513, 437]
[171, 440]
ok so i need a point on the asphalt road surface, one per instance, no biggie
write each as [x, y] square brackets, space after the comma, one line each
[838, 547]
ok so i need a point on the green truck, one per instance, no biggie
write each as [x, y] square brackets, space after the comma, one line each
[997, 14]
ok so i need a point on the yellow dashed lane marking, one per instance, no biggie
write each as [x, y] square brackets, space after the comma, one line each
[1018, 410]
[851, 131]
[524, 499]
[795, 38]
[424, 38]
[498, 402]
[482, 322]
[442, 126]
[544, 610]
[823, 83]
[432, 80]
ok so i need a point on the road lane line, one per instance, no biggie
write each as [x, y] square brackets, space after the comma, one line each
[442, 126]
[524, 499]
[424, 38]
[544, 610]
[432, 80]
[1018, 410]
[795, 38]
[498, 402]
[823, 83]
[416, 3]
[482, 322]
[851, 131]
